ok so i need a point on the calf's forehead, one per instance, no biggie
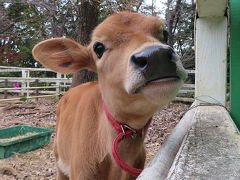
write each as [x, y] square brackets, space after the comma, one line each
[120, 27]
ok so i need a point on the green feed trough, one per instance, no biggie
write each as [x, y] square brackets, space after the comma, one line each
[21, 139]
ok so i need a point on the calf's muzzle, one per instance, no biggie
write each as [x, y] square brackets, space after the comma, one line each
[155, 62]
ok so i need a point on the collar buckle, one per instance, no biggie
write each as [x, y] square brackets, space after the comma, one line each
[134, 131]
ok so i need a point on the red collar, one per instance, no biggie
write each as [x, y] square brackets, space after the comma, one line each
[124, 131]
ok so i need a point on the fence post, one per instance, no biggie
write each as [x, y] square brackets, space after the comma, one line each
[28, 83]
[59, 76]
[37, 90]
[23, 82]
[65, 77]
[5, 86]
[211, 58]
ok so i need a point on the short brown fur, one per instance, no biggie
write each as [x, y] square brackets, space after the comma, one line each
[84, 136]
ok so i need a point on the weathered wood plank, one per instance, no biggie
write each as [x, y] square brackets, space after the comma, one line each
[31, 97]
[189, 85]
[211, 59]
[190, 71]
[42, 87]
[31, 69]
[209, 8]
[184, 91]
[183, 99]
[159, 166]
[211, 149]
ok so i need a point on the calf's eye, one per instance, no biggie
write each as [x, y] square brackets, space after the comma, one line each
[99, 49]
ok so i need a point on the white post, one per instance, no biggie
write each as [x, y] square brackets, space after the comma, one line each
[23, 82]
[211, 59]
[59, 76]
[65, 77]
[28, 83]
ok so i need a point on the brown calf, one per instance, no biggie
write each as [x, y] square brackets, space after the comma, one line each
[138, 74]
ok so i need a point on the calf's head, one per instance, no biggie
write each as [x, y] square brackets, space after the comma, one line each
[138, 72]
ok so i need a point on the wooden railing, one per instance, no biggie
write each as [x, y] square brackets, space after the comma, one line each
[186, 88]
[59, 84]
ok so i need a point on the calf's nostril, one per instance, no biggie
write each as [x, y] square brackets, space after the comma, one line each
[140, 62]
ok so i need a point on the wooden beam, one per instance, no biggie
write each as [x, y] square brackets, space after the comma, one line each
[188, 85]
[235, 61]
[20, 68]
[31, 97]
[209, 8]
[211, 59]
[210, 149]
[160, 165]
[189, 71]
[182, 99]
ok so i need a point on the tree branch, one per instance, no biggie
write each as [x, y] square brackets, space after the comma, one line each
[33, 2]
[6, 29]
[139, 5]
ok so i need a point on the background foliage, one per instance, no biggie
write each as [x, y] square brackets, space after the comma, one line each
[23, 23]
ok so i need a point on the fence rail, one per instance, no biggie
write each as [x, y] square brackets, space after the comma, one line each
[19, 69]
[52, 86]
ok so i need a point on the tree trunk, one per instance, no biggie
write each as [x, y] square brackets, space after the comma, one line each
[170, 20]
[88, 19]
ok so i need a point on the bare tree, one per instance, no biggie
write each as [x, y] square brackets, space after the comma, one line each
[88, 19]
[43, 4]
[180, 24]
[173, 15]
[5, 23]
[123, 5]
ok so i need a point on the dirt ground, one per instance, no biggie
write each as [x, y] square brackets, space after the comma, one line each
[40, 163]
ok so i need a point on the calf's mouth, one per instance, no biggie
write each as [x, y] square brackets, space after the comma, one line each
[158, 82]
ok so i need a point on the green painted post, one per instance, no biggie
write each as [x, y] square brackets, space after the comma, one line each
[235, 61]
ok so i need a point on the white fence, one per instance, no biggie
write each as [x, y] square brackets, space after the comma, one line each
[187, 88]
[57, 86]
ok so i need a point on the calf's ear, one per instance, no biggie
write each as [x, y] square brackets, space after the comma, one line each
[63, 55]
